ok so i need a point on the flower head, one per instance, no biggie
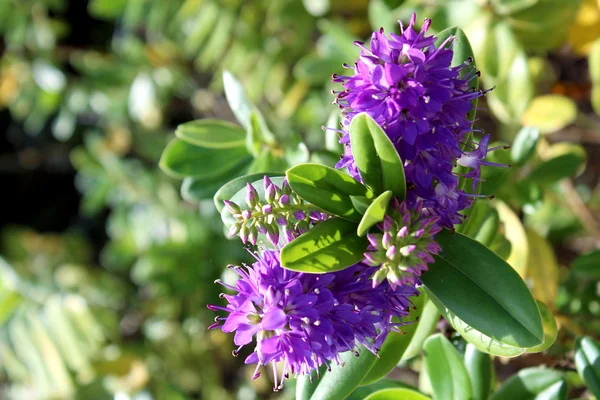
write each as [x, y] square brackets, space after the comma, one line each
[306, 320]
[405, 247]
[405, 82]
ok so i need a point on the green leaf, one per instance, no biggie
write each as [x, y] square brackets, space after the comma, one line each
[515, 234]
[594, 66]
[533, 384]
[195, 190]
[550, 329]
[550, 113]
[304, 387]
[374, 213]
[507, 312]
[587, 361]
[481, 341]
[327, 188]
[524, 145]
[344, 378]
[395, 394]
[446, 371]
[481, 372]
[329, 246]
[564, 160]
[181, 159]
[542, 268]
[233, 187]
[396, 344]
[377, 160]
[588, 265]
[212, 133]
[425, 327]
[258, 134]
[238, 102]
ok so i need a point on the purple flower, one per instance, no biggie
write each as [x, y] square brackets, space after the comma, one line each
[406, 84]
[405, 247]
[306, 320]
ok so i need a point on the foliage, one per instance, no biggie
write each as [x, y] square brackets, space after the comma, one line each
[151, 109]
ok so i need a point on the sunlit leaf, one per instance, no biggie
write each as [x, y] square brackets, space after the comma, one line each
[466, 266]
[550, 113]
[374, 213]
[587, 361]
[447, 373]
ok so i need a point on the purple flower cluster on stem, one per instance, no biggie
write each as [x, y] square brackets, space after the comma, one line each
[306, 320]
[405, 82]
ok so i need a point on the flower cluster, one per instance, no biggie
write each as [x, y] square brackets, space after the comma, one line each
[306, 320]
[280, 208]
[405, 82]
[405, 246]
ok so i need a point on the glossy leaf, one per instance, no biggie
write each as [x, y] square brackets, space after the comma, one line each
[195, 190]
[466, 266]
[212, 133]
[425, 327]
[533, 384]
[377, 160]
[344, 378]
[481, 341]
[374, 213]
[587, 361]
[238, 102]
[550, 113]
[258, 134]
[181, 159]
[304, 387]
[396, 344]
[524, 145]
[550, 329]
[327, 188]
[446, 371]
[330, 246]
[481, 372]
[233, 187]
[395, 394]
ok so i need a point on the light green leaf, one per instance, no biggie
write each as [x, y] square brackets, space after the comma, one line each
[374, 213]
[344, 378]
[507, 312]
[181, 159]
[425, 327]
[550, 329]
[212, 133]
[329, 246]
[396, 344]
[481, 372]
[550, 113]
[533, 384]
[376, 157]
[327, 188]
[542, 268]
[396, 394]
[515, 234]
[587, 361]
[446, 371]
[238, 102]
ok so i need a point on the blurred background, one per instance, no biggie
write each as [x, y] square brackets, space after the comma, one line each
[106, 270]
